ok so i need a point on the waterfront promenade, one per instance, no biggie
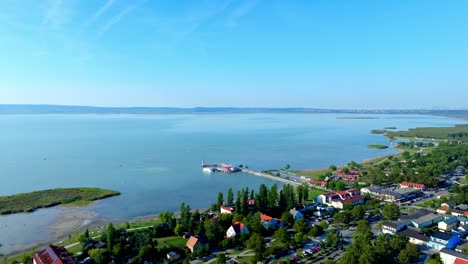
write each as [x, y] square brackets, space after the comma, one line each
[271, 177]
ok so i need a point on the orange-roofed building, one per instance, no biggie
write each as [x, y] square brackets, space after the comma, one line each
[53, 255]
[417, 186]
[237, 228]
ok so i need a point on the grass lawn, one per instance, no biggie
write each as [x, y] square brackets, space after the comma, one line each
[173, 241]
[144, 223]
[314, 192]
[314, 174]
[28, 202]
[464, 180]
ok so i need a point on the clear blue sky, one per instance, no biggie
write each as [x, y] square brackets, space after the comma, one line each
[247, 53]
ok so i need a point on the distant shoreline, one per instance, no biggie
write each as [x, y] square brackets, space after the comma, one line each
[7, 109]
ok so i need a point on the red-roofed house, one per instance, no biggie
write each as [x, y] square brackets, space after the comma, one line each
[348, 200]
[337, 199]
[318, 183]
[417, 186]
[236, 229]
[53, 255]
[270, 222]
[196, 242]
[226, 209]
[251, 202]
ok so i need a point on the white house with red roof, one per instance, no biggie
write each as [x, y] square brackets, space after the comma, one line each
[339, 199]
[237, 228]
[417, 186]
[224, 209]
[270, 222]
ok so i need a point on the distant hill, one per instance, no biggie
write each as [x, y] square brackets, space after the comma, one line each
[62, 109]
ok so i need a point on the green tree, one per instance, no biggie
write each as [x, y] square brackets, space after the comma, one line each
[27, 259]
[382, 249]
[100, 256]
[287, 167]
[305, 193]
[287, 218]
[168, 218]
[185, 216]
[256, 243]
[273, 196]
[332, 168]
[333, 238]
[358, 212]
[343, 217]
[255, 258]
[230, 196]
[301, 226]
[363, 231]
[324, 225]
[409, 254]
[261, 199]
[300, 193]
[220, 199]
[391, 211]
[214, 231]
[111, 236]
[221, 258]
[329, 261]
[281, 235]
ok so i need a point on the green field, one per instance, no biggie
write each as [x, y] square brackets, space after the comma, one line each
[313, 174]
[28, 202]
[377, 146]
[458, 132]
[173, 241]
[378, 131]
[314, 192]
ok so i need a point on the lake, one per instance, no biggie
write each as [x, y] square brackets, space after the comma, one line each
[154, 160]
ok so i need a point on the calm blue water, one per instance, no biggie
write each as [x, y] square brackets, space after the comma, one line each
[155, 160]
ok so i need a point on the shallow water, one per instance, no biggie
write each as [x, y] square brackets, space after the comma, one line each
[154, 160]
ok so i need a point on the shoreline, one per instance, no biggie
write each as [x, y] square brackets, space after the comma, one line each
[75, 223]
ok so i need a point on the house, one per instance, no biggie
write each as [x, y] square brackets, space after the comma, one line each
[296, 214]
[457, 212]
[237, 228]
[173, 256]
[463, 220]
[423, 218]
[460, 231]
[348, 200]
[251, 202]
[449, 204]
[415, 236]
[343, 196]
[448, 224]
[453, 257]
[318, 183]
[270, 222]
[462, 247]
[392, 228]
[53, 255]
[225, 209]
[323, 211]
[197, 242]
[418, 186]
[440, 240]
[443, 209]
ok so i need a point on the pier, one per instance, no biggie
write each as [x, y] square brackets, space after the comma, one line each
[271, 177]
[228, 168]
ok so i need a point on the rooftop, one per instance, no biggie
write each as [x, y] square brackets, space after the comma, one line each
[455, 253]
[442, 236]
[53, 255]
[414, 233]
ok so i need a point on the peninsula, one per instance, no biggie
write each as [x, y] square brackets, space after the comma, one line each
[28, 202]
